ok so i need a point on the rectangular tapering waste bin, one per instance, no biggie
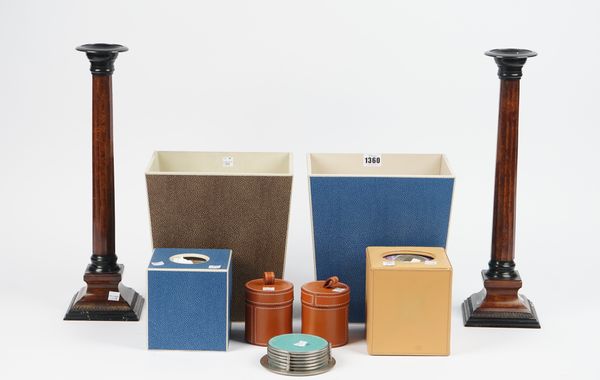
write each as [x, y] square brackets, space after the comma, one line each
[361, 200]
[233, 200]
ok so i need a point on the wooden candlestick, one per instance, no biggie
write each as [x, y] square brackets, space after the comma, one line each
[499, 304]
[104, 298]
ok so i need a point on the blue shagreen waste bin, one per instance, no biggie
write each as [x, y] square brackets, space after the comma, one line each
[361, 200]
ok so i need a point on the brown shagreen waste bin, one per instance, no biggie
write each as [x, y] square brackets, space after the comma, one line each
[325, 310]
[268, 308]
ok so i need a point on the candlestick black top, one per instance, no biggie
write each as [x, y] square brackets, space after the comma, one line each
[102, 57]
[510, 61]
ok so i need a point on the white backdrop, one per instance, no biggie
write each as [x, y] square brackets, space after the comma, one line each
[302, 76]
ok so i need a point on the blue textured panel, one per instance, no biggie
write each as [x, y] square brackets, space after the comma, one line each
[352, 213]
[189, 305]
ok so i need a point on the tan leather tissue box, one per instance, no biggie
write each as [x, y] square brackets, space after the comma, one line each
[408, 294]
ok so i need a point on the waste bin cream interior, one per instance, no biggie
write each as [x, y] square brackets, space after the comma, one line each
[391, 164]
[221, 163]
[230, 200]
[360, 200]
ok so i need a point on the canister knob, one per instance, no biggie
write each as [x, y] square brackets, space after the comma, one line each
[269, 278]
[331, 282]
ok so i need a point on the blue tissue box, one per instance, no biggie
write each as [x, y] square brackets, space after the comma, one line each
[189, 297]
[386, 200]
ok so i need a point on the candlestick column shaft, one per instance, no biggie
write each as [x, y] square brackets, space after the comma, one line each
[104, 258]
[501, 264]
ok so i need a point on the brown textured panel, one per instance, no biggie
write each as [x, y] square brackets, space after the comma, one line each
[248, 214]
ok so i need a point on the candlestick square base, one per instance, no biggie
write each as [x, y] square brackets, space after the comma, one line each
[105, 299]
[478, 318]
[499, 305]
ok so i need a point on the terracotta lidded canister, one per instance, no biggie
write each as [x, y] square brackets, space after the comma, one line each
[268, 308]
[325, 310]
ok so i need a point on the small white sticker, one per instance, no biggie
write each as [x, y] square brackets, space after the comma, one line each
[372, 160]
[214, 267]
[227, 162]
[414, 260]
[114, 296]
[388, 263]
[269, 288]
[157, 263]
[431, 262]
[301, 343]
[338, 290]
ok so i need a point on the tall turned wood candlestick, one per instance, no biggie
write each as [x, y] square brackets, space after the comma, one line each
[499, 304]
[104, 298]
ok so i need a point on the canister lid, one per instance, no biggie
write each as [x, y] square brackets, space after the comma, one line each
[269, 284]
[330, 287]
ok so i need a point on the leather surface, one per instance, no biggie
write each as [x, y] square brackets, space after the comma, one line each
[408, 304]
[325, 311]
[188, 309]
[266, 321]
[351, 213]
[269, 306]
[248, 214]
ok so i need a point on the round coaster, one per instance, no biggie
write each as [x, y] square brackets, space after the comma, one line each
[298, 343]
[298, 355]
[265, 363]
